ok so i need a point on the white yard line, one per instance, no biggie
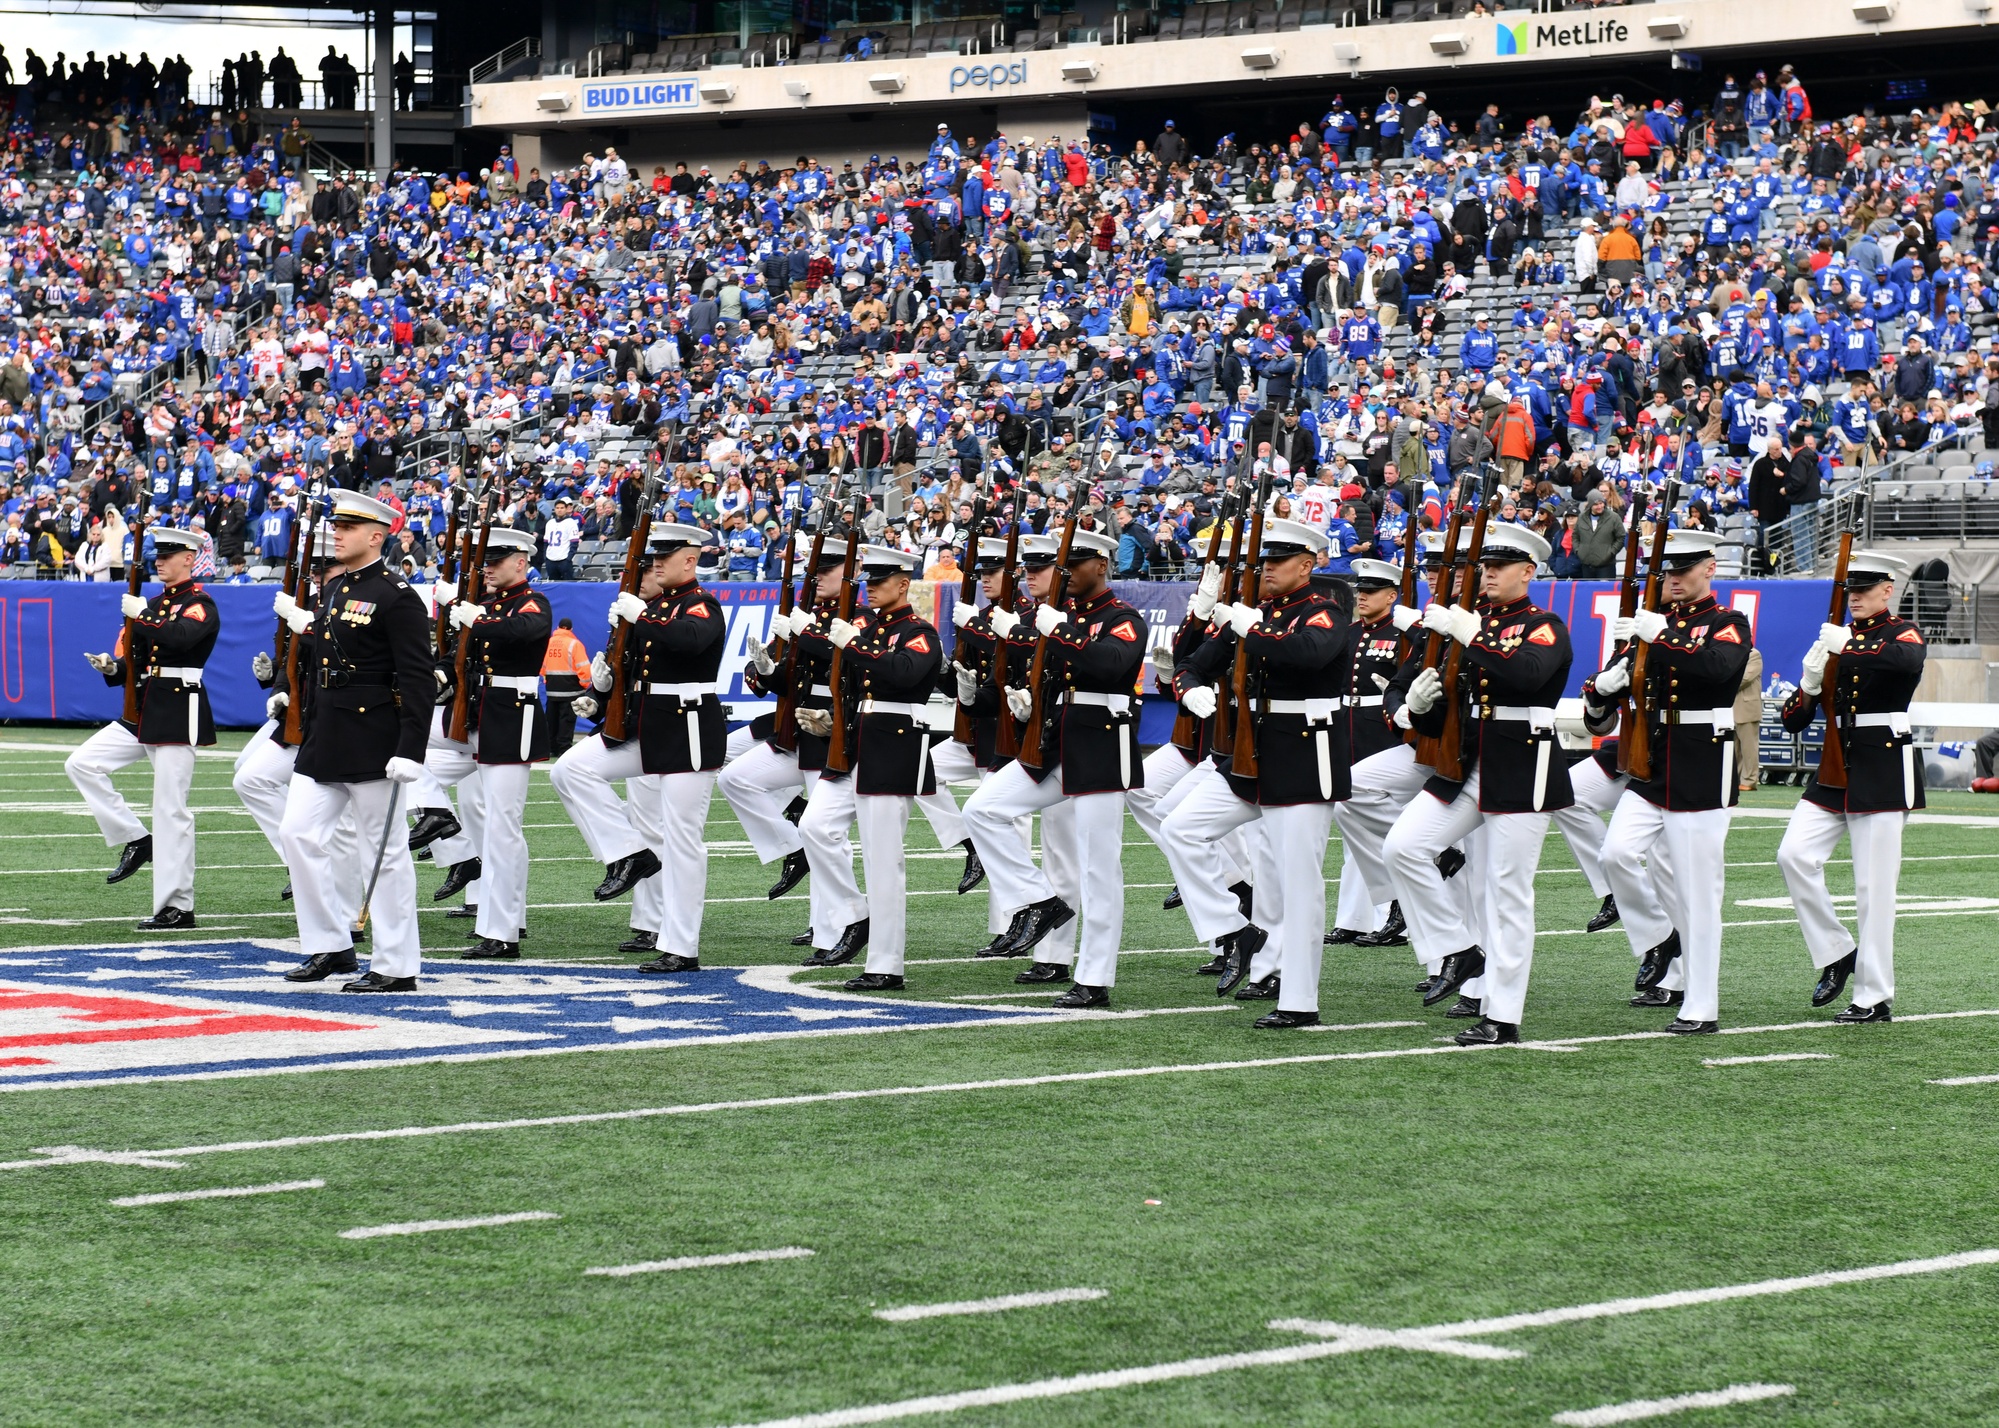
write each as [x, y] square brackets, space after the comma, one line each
[909, 1313]
[1761, 1060]
[425, 1227]
[701, 1261]
[1639, 1409]
[1338, 1339]
[221, 1192]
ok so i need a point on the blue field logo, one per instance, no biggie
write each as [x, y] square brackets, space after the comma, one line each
[81, 1016]
[1512, 39]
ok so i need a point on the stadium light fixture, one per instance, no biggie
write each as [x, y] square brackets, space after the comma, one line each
[888, 82]
[798, 89]
[555, 99]
[1451, 42]
[1082, 71]
[717, 91]
[1347, 53]
[1262, 57]
[1667, 27]
[1873, 12]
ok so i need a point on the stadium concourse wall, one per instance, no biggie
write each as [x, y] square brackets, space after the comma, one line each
[46, 628]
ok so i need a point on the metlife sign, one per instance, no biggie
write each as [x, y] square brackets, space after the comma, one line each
[644, 96]
[1521, 32]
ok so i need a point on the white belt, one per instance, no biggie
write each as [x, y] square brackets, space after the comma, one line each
[1310, 708]
[1898, 722]
[682, 691]
[1540, 716]
[186, 675]
[917, 712]
[1365, 701]
[519, 683]
[1719, 718]
[1116, 703]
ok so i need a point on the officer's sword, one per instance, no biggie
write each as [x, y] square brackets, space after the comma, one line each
[382, 848]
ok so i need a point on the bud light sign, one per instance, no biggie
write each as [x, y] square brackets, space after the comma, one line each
[647, 96]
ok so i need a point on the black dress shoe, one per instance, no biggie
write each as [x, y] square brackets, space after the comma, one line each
[1215, 965]
[1286, 1021]
[321, 965]
[1080, 997]
[1832, 981]
[1459, 968]
[137, 854]
[285, 892]
[1858, 1015]
[803, 939]
[1245, 898]
[795, 810]
[1038, 973]
[422, 855]
[874, 982]
[376, 982]
[1653, 965]
[1465, 1007]
[1680, 1026]
[671, 962]
[1341, 936]
[1042, 918]
[790, 874]
[433, 824]
[975, 871]
[1489, 1033]
[1659, 997]
[457, 878]
[170, 919]
[1392, 933]
[845, 950]
[1606, 916]
[1260, 991]
[626, 873]
[1003, 945]
[492, 949]
[643, 941]
[1172, 899]
[1242, 945]
[463, 910]
[1449, 862]
[1423, 988]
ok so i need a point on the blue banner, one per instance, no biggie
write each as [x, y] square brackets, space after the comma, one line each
[46, 628]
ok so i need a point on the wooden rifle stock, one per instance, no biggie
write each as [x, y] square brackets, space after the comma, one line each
[135, 578]
[1630, 589]
[968, 593]
[839, 750]
[1450, 744]
[1006, 739]
[1832, 753]
[1222, 735]
[1186, 728]
[784, 722]
[1242, 746]
[1427, 748]
[1412, 562]
[298, 574]
[448, 570]
[473, 568]
[617, 697]
[1636, 758]
[1031, 740]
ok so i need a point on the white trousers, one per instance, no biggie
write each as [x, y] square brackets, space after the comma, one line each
[262, 779]
[678, 804]
[104, 753]
[1169, 778]
[1682, 892]
[1191, 836]
[432, 789]
[1098, 824]
[1383, 784]
[836, 898]
[1876, 839]
[759, 784]
[614, 827]
[1500, 867]
[314, 851]
[838, 901]
[503, 852]
[1581, 824]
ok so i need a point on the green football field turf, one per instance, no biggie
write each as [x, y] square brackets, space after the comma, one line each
[1395, 1191]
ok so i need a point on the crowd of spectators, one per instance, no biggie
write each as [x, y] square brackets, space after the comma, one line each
[1745, 299]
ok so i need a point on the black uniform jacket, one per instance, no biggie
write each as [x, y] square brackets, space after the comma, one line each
[369, 655]
[1693, 674]
[509, 642]
[808, 687]
[893, 660]
[1093, 657]
[177, 631]
[1299, 653]
[1509, 679]
[977, 644]
[989, 703]
[1377, 653]
[1188, 671]
[1877, 676]
[678, 642]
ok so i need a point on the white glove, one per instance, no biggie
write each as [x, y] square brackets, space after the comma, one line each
[759, 655]
[261, 668]
[816, 722]
[627, 607]
[404, 770]
[1834, 637]
[601, 675]
[1613, 680]
[1162, 663]
[1199, 701]
[1202, 605]
[803, 618]
[465, 614]
[1406, 617]
[133, 605]
[1426, 689]
[445, 591]
[1460, 624]
[102, 663]
[1401, 719]
[780, 627]
[443, 680]
[1813, 680]
[1380, 682]
[585, 705]
[1004, 622]
[1047, 619]
[1020, 703]
[962, 614]
[842, 632]
[286, 609]
[1648, 625]
[1244, 618]
[968, 685]
[274, 707]
[1620, 629]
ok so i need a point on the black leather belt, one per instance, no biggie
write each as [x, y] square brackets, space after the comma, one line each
[356, 678]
